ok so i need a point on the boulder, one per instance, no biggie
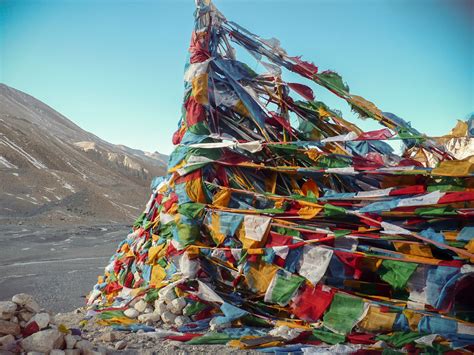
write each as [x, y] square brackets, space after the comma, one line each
[168, 317]
[131, 313]
[7, 327]
[43, 341]
[25, 316]
[70, 341]
[149, 317]
[176, 306]
[140, 306]
[27, 301]
[84, 345]
[7, 309]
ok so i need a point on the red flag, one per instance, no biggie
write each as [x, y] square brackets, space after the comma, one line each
[303, 90]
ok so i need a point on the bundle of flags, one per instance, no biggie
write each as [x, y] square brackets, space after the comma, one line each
[284, 226]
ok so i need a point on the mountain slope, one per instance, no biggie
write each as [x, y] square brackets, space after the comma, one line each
[52, 170]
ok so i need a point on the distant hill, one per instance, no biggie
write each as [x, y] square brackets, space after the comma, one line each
[52, 171]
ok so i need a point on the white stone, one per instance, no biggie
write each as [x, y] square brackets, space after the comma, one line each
[72, 352]
[43, 341]
[140, 306]
[14, 319]
[148, 309]
[168, 317]
[57, 352]
[160, 306]
[25, 316]
[27, 301]
[176, 306]
[70, 341]
[42, 319]
[169, 295]
[7, 308]
[182, 320]
[149, 317]
[131, 313]
[84, 345]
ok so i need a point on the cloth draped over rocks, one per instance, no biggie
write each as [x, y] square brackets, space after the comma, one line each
[279, 213]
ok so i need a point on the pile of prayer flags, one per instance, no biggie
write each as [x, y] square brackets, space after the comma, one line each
[281, 225]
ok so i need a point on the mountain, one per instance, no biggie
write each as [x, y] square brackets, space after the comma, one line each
[52, 171]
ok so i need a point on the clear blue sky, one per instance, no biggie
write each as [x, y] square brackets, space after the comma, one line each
[115, 67]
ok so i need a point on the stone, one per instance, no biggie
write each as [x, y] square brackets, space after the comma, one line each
[140, 306]
[43, 341]
[160, 306]
[91, 352]
[109, 337]
[42, 319]
[131, 313]
[72, 352]
[182, 320]
[84, 345]
[14, 319]
[27, 301]
[176, 306]
[35, 353]
[120, 345]
[149, 317]
[168, 295]
[7, 327]
[70, 341]
[6, 342]
[148, 309]
[7, 309]
[57, 352]
[168, 317]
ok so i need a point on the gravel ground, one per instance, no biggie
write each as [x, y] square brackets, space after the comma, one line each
[58, 265]
[140, 343]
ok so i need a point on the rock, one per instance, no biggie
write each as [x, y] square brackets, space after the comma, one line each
[109, 337]
[84, 345]
[168, 317]
[14, 319]
[160, 306]
[44, 341]
[7, 327]
[42, 319]
[57, 352]
[148, 309]
[70, 341]
[91, 352]
[72, 352]
[182, 320]
[35, 353]
[149, 317]
[7, 309]
[6, 342]
[120, 345]
[140, 306]
[131, 313]
[168, 295]
[176, 306]
[27, 301]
